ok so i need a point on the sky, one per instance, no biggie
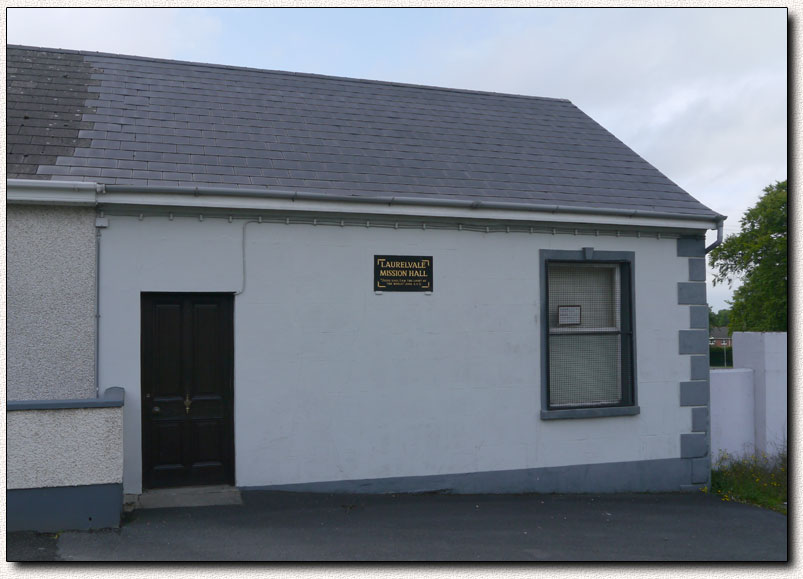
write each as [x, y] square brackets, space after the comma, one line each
[699, 93]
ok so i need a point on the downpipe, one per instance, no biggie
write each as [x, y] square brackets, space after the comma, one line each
[720, 234]
[101, 222]
[97, 310]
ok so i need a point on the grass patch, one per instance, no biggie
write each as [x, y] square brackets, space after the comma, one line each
[755, 479]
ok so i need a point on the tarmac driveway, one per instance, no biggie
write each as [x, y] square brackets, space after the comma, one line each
[272, 526]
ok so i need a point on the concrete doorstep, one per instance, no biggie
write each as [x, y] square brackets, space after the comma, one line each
[204, 496]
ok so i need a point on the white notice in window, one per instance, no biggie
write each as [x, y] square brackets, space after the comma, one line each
[568, 315]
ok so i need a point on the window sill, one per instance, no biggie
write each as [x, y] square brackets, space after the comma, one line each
[577, 330]
[589, 412]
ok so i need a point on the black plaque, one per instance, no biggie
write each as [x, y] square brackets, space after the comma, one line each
[403, 273]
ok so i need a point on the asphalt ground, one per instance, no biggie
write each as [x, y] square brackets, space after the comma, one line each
[273, 526]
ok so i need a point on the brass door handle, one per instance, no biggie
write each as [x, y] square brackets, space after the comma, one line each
[187, 404]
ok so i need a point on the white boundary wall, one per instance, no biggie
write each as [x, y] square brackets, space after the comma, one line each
[732, 412]
[749, 402]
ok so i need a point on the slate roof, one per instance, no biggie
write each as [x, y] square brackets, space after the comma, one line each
[719, 333]
[115, 119]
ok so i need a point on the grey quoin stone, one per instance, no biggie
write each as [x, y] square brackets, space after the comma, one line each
[696, 269]
[690, 292]
[700, 470]
[694, 393]
[693, 445]
[693, 342]
[691, 247]
[698, 317]
[699, 419]
[700, 369]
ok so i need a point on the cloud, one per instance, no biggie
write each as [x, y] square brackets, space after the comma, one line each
[157, 32]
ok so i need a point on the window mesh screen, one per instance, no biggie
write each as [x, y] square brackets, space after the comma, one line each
[594, 288]
[584, 370]
[586, 357]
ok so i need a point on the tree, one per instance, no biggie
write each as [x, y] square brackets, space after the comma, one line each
[757, 255]
[719, 319]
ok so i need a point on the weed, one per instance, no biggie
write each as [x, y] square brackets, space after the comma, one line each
[758, 479]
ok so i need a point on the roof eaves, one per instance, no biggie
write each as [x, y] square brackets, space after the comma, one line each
[300, 195]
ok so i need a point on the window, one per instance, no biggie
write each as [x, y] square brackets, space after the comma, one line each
[588, 354]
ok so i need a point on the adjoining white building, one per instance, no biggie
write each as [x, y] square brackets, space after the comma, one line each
[270, 280]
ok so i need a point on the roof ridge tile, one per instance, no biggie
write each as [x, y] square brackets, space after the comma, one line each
[271, 71]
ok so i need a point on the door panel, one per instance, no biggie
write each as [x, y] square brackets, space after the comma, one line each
[187, 394]
[206, 349]
[167, 436]
[207, 441]
[167, 359]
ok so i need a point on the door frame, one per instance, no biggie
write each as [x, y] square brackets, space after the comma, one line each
[147, 297]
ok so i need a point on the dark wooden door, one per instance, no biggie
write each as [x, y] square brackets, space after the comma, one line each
[187, 390]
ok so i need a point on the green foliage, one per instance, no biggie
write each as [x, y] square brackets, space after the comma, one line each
[757, 255]
[759, 480]
[719, 319]
[720, 356]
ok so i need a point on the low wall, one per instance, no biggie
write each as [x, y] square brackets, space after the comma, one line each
[732, 408]
[749, 402]
[65, 463]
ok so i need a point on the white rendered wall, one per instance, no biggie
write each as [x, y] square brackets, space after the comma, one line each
[334, 382]
[64, 447]
[732, 406]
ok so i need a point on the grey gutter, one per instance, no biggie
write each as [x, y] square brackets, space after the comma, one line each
[433, 202]
[720, 234]
[36, 191]
[112, 398]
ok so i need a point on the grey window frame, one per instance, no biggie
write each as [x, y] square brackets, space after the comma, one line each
[587, 255]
